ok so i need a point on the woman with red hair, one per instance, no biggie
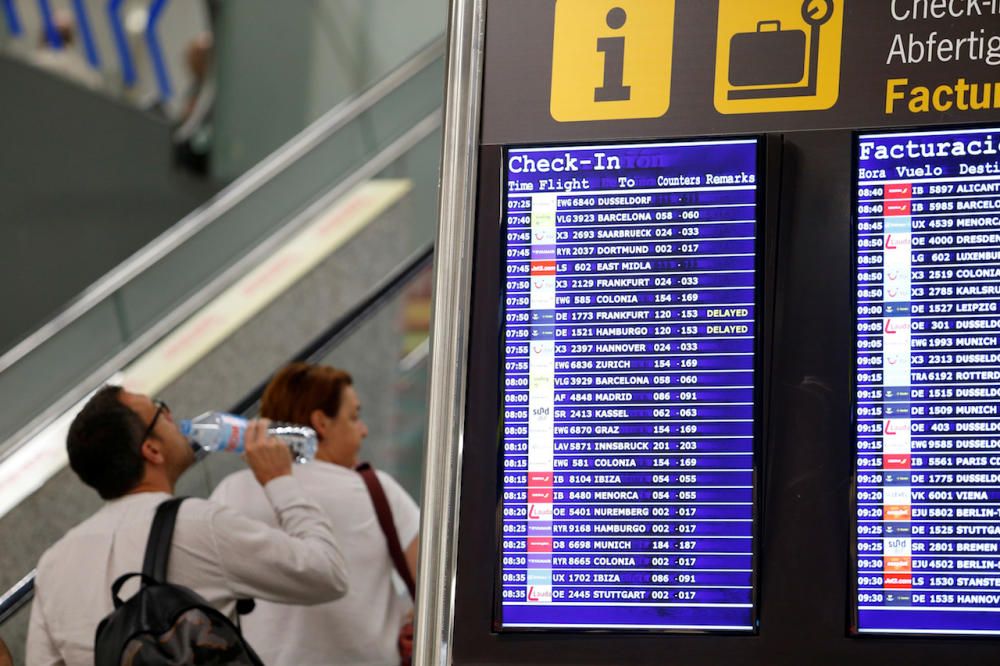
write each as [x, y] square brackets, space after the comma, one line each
[362, 627]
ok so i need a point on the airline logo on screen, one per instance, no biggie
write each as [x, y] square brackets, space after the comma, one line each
[778, 55]
[611, 59]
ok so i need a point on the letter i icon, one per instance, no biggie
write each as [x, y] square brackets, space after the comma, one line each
[613, 49]
[611, 59]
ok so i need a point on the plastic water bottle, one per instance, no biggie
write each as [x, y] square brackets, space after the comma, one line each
[217, 431]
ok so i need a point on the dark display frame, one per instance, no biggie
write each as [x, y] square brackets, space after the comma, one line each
[804, 566]
[853, 630]
[760, 250]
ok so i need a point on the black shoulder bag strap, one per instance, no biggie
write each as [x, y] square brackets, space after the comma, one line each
[161, 534]
[385, 521]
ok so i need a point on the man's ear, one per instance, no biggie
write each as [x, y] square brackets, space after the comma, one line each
[152, 451]
[318, 421]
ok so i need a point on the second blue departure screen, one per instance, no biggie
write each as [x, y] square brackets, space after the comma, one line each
[629, 386]
[927, 424]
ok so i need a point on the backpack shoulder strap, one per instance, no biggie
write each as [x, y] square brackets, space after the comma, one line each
[385, 521]
[161, 534]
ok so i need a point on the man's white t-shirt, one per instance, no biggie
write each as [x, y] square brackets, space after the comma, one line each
[362, 627]
[219, 553]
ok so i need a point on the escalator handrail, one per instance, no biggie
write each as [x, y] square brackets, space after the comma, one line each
[23, 591]
[332, 121]
[18, 595]
[213, 289]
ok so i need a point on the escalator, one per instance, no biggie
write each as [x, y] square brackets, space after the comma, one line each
[383, 341]
[335, 226]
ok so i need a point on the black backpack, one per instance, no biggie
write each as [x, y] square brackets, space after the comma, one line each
[165, 624]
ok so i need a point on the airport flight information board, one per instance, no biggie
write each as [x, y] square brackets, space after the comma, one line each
[927, 382]
[629, 387]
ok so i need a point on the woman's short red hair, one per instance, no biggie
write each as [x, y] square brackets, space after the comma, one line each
[298, 389]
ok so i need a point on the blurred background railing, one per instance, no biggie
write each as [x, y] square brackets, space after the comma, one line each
[98, 163]
[130, 302]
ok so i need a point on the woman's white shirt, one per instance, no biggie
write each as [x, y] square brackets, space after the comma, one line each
[362, 627]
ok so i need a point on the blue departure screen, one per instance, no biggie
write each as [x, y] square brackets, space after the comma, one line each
[629, 387]
[927, 381]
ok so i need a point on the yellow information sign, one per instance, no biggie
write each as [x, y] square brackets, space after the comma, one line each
[611, 59]
[778, 55]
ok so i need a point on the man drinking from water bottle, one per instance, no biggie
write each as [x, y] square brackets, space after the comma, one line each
[128, 448]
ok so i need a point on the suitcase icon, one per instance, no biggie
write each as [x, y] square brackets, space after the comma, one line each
[777, 58]
[767, 57]
[771, 55]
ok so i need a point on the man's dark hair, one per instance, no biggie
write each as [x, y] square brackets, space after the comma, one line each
[104, 444]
